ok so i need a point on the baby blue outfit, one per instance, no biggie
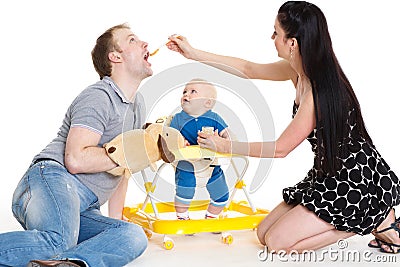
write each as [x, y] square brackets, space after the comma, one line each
[185, 176]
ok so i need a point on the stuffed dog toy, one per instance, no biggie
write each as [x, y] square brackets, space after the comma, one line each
[138, 149]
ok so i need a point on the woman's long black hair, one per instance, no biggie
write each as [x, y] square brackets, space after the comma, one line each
[333, 94]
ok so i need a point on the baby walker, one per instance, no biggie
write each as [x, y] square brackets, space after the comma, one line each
[147, 214]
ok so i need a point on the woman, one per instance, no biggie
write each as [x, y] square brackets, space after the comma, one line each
[350, 189]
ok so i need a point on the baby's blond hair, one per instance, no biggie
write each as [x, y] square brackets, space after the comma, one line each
[212, 92]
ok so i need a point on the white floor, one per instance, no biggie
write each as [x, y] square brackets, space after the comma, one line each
[207, 249]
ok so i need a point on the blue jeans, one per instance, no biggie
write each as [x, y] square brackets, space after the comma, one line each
[62, 219]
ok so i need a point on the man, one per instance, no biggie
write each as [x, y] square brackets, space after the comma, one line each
[58, 200]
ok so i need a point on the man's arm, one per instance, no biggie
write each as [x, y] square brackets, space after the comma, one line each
[117, 201]
[82, 154]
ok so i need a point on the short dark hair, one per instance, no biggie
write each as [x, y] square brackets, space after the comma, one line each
[104, 45]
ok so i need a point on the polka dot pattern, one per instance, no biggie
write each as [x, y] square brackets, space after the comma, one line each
[359, 196]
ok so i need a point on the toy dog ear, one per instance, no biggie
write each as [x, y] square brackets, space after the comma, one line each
[166, 154]
[147, 124]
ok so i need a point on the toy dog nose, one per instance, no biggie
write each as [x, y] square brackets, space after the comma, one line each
[111, 150]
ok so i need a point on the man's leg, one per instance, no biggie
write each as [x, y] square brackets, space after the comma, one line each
[105, 241]
[46, 204]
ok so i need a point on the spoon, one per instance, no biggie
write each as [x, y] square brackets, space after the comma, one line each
[158, 49]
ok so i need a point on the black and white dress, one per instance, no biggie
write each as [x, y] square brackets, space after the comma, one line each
[359, 197]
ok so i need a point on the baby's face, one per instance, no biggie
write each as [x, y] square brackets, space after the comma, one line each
[195, 97]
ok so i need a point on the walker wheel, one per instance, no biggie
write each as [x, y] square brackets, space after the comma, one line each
[168, 243]
[227, 238]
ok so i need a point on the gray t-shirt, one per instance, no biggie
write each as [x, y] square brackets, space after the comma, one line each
[101, 108]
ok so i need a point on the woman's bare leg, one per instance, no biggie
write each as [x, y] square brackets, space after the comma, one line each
[300, 229]
[270, 219]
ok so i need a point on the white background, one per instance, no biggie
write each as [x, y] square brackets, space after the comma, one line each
[45, 52]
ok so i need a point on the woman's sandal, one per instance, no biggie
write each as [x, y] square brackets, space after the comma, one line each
[393, 226]
[378, 243]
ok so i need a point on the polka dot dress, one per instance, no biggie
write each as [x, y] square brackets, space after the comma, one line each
[359, 197]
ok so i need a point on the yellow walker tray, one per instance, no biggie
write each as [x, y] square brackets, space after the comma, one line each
[147, 214]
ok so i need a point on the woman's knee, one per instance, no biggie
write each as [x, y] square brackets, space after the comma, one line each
[263, 227]
[261, 236]
[275, 241]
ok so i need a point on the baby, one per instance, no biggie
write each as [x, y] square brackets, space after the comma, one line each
[198, 99]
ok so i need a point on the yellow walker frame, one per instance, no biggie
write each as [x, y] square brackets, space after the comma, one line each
[147, 214]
